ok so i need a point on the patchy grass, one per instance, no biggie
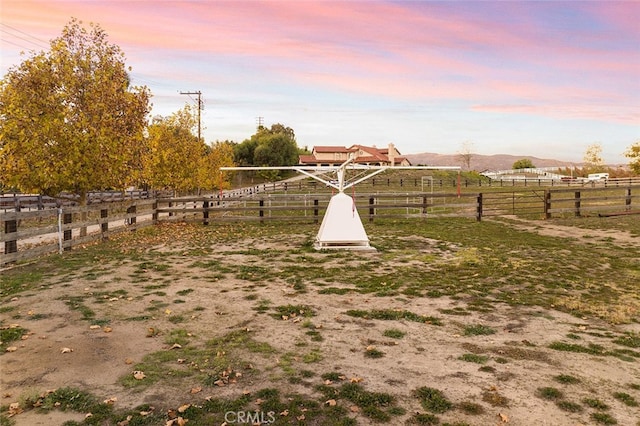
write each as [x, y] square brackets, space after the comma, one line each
[372, 352]
[603, 419]
[478, 330]
[626, 399]
[393, 333]
[10, 334]
[595, 404]
[432, 399]
[566, 379]
[550, 393]
[476, 358]
[393, 315]
[569, 406]
[479, 266]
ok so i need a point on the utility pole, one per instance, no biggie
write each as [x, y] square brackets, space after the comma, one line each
[200, 107]
[260, 122]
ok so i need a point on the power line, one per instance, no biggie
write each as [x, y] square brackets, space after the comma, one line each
[32, 39]
[200, 106]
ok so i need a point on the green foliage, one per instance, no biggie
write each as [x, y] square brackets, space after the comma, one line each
[524, 163]
[268, 147]
[394, 333]
[566, 379]
[550, 393]
[393, 314]
[432, 399]
[626, 399]
[595, 403]
[478, 330]
[478, 359]
[633, 154]
[70, 119]
[8, 335]
[603, 419]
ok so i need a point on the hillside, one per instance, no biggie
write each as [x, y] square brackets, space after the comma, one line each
[482, 162]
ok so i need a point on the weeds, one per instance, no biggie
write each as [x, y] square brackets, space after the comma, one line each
[478, 359]
[392, 314]
[478, 330]
[432, 399]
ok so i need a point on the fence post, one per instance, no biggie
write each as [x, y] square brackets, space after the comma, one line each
[424, 204]
[547, 204]
[577, 203]
[154, 214]
[67, 234]
[132, 220]
[205, 213]
[479, 208]
[627, 200]
[261, 214]
[372, 210]
[315, 211]
[104, 226]
[10, 246]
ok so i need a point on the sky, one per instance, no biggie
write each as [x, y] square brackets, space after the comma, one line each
[541, 78]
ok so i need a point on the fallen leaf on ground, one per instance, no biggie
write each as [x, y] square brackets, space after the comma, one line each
[14, 408]
[11, 349]
[110, 400]
[176, 346]
[331, 402]
[184, 408]
[94, 327]
[195, 390]
[138, 375]
[108, 329]
[66, 350]
[503, 418]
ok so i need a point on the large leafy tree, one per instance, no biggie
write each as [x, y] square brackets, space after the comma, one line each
[633, 154]
[174, 152]
[217, 155]
[275, 146]
[70, 120]
[523, 163]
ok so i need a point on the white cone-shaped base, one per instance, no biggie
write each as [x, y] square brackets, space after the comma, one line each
[341, 226]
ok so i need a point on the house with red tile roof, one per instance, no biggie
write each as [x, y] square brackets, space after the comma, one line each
[368, 155]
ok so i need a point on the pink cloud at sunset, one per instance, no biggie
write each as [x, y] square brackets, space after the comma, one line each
[483, 63]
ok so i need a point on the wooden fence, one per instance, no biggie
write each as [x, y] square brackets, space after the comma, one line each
[28, 234]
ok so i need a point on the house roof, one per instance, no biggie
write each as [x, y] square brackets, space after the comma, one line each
[373, 154]
[330, 149]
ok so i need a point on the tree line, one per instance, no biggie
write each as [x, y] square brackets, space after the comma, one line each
[71, 121]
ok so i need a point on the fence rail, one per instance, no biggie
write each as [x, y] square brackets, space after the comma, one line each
[28, 234]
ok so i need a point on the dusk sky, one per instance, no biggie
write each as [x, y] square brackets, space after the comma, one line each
[539, 78]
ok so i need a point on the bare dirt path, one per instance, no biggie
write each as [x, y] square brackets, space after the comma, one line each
[554, 230]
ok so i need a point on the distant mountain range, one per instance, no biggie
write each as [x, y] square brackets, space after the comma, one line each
[483, 162]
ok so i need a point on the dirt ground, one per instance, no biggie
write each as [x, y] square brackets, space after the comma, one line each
[519, 358]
